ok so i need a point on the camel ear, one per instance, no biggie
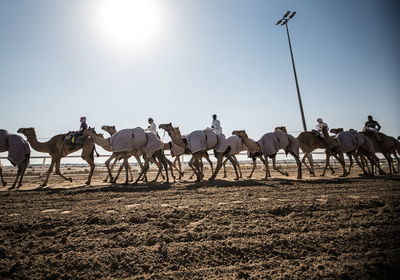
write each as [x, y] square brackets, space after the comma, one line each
[170, 124]
[113, 126]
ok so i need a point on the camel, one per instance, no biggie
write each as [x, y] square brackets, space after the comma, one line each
[178, 147]
[309, 142]
[107, 145]
[387, 146]
[198, 142]
[112, 130]
[265, 146]
[57, 149]
[18, 154]
[355, 145]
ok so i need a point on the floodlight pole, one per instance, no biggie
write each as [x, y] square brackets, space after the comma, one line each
[284, 21]
[295, 77]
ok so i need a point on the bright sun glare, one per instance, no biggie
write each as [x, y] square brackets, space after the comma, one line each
[129, 25]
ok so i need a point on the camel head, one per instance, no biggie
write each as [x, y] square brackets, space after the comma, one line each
[177, 131]
[240, 133]
[166, 126]
[109, 128]
[281, 128]
[91, 130]
[28, 132]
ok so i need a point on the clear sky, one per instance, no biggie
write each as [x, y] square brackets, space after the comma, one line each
[210, 56]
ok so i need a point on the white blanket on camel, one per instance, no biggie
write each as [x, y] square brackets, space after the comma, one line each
[352, 140]
[204, 140]
[137, 141]
[16, 146]
[236, 144]
[270, 143]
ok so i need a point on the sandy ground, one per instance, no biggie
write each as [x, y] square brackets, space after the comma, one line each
[282, 228]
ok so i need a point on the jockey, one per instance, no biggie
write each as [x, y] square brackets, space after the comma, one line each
[373, 126]
[216, 125]
[319, 126]
[152, 127]
[83, 124]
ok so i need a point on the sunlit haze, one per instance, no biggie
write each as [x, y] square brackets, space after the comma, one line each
[128, 25]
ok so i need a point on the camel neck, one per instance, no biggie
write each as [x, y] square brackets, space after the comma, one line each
[250, 144]
[176, 139]
[42, 147]
[103, 142]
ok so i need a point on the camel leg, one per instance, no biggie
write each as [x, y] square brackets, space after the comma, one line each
[276, 168]
[130, 172]
[327, 163]
[351, 162]
[119, 172]
[125, 165]
[180, 172]
[191, 165]
[220, 157]
[254, 167]
[390, 162]
[172, 166]
[164, 161]
[58, 172]
[207, 157]
[16, 177]
[356, 157]
[265, 161]
[112, 167]
[143, 171]
[340, 159]
[196, 166]
[88, 155]
[24, 164]
[49, 172]
[377, 164]
[159, 166]
[139, 161]
[299, 175]
[2, 178]
[310, 168]
[235, 164]
[223, 164]
[398, 163]
[107, 163]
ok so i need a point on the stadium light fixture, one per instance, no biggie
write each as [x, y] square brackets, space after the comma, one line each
[284, 21]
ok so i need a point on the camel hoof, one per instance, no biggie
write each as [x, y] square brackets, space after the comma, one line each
[333, 172]
[212, 178]
[43, 185]
[381, 172]
[166, 183]
[299, 177]
[236, 179]
[286, 174]
[4, 184]
[105, 181]
[87, 183]
[322, 175]
[70, 179]
[312, 175]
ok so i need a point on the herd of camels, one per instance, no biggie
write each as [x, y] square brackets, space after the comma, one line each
[362, 146]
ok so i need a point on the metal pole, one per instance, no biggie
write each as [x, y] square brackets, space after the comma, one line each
[295, 77]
